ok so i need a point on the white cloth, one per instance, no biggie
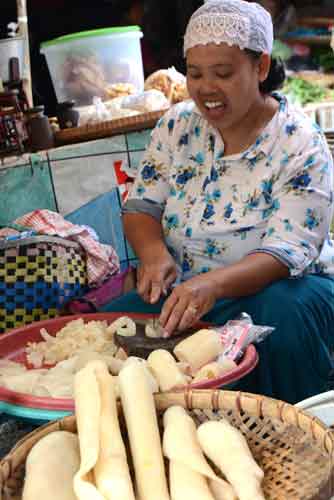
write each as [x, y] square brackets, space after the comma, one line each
[276, 197]
[235, 22]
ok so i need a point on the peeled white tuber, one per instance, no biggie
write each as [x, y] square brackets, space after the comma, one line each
[227, 448]
[214, 370]
[111, 471]
[50, 467]
[180, 442]
[199, 349]
[222, 490]
[185, 483]
[165, 370]
[142, 426]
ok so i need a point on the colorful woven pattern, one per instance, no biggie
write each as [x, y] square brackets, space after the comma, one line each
[37, 280]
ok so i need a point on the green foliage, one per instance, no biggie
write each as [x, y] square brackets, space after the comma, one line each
[305, 92]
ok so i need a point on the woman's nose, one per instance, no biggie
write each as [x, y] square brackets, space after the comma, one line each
[207, 86]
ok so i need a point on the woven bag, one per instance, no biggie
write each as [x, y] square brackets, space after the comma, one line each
[39, 275]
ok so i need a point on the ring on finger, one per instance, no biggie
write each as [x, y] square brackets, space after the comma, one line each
[192, 308]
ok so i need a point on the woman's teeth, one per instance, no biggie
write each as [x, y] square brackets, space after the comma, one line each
[212, 105]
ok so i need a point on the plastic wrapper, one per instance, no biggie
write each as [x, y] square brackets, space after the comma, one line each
[124, 103]
[101, 111]
[238, 334]
[150, 100]
[170, 82]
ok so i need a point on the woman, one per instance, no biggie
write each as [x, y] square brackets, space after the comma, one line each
[231, 207]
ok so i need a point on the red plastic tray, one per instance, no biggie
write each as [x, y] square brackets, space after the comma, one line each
[13, 343]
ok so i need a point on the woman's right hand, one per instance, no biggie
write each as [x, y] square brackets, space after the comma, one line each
[155, 275]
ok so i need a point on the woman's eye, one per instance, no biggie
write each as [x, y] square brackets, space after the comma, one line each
[194, 76]
[224, 76]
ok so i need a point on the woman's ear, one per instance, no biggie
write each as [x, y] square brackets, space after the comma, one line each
[264, 67]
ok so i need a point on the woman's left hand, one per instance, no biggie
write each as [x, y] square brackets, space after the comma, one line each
[188, 303]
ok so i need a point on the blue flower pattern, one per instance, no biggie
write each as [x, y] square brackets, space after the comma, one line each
[275, 197]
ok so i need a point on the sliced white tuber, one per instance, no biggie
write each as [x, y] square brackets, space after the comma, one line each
[153, 329]
[123, 326]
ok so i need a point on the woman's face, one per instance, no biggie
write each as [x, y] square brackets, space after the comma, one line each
[224, 82]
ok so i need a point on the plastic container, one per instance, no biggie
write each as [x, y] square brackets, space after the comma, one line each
[13, 343]
[320, 406]
[84, 65]
[10, 47]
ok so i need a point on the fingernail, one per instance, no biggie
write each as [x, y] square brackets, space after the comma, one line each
[165, 335]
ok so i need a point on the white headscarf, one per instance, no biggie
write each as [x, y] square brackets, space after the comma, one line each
[234, 22]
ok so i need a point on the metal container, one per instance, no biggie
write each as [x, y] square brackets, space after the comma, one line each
[10, 47]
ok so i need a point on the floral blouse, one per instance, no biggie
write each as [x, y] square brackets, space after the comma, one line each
[276, 197]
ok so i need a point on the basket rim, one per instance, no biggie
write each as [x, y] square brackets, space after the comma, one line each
[39, 239]
[256, 405]
[109, 128]
[217, 399]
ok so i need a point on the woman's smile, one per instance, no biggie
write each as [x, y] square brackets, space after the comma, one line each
[214, 110]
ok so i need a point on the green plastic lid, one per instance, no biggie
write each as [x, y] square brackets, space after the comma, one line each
[91, 33]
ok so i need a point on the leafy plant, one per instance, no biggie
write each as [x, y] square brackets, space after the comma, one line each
[305, 92]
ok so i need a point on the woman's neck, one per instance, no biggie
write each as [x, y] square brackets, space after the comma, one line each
[242, 136]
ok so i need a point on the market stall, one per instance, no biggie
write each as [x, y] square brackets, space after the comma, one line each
[307, 49]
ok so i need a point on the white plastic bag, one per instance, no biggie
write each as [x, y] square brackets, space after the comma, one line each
[149, 100]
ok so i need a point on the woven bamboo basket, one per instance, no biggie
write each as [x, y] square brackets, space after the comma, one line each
[294, 449]
[108, 128]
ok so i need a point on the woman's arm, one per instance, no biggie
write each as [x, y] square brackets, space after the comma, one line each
[248, 276]
[142, 216]
[144, 233]
[157, 269]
